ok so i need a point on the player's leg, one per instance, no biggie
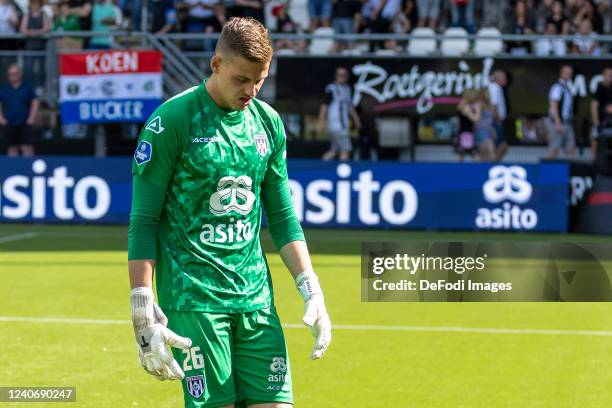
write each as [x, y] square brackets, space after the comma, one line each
[209, 378]
[261, 365]
[271, 405]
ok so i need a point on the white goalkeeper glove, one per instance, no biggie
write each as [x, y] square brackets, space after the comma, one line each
[153, 337]
[315, 314]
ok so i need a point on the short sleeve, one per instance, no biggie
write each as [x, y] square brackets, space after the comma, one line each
[31, 93]
[555, 93]
[159, 148]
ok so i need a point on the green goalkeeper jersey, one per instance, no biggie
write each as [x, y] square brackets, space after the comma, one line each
[213, 165]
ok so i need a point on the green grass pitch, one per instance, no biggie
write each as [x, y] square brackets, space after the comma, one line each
[79, 272]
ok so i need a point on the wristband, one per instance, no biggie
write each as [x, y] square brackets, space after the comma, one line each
[308, 284]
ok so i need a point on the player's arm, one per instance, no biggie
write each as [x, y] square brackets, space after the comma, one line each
[288, 237]
[153, 165]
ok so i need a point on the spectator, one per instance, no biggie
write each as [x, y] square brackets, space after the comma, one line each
[66, 22]
[543, 13]
[364, 20]
[429, 13]
[105, 17]
[164, 16]
[132, 8]
[250, 8]
[18, 113]
[462, 14]
[8, 23]
[521, 24]
[500, 111]
[464, 139]
[551, 45]
[559, 19]
[320, 12]
[382, 18]
[82, 9]
[203, 16]
[585, 42]
[495, 14]
[588, 11]
[334, 116]
[34, 24]
[560, 115]
[601, 98]
[479, 111]
[343, 21]
[286, 25]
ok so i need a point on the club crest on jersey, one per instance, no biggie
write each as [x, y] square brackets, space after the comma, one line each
[261, 143]
[143, 152]
[195, 385]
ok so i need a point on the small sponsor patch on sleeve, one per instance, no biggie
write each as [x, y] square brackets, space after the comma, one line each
[143, 152]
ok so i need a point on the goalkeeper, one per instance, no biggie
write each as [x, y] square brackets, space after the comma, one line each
[206, 162]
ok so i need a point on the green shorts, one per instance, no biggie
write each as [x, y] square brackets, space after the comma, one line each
[236, 358]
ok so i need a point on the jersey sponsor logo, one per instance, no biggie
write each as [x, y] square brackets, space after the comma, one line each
[234, 231]
[195, 385]
[155, 125]
[233, 194]
[278, 368]
[211, 139]
[143, 152]
[261, 143]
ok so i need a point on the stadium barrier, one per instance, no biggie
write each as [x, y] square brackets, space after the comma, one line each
[326, 194]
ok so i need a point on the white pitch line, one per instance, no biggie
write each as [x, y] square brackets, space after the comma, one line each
[352, 327]
[18, 237]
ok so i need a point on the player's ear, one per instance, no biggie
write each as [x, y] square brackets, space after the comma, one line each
[215, 63]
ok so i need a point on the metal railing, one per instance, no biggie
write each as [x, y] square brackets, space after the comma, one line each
[184, 68]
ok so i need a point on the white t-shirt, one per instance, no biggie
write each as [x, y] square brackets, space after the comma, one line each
[496, 93]
[583, 43]
[199, 11]
[548, 47]
[561, 93]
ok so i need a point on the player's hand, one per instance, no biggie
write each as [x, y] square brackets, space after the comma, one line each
[154, 338]
[315, 313]
[559, 127]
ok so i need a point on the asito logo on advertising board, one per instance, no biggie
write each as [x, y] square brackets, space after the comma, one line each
[22, 196]
[508, 186]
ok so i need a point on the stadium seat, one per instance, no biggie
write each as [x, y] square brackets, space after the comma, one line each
[488, 46]
[454, 46]
[422, 42]
[321, 45]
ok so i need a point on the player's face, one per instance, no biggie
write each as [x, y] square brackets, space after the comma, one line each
[240, 80]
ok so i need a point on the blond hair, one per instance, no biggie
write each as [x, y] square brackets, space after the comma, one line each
[246, 38]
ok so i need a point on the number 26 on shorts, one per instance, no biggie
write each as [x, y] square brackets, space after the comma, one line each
[194, 360]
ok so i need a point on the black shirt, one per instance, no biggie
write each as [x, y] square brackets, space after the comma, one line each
[345, 8]
[603, 95]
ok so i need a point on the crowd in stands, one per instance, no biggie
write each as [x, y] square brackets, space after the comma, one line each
[584, 19]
